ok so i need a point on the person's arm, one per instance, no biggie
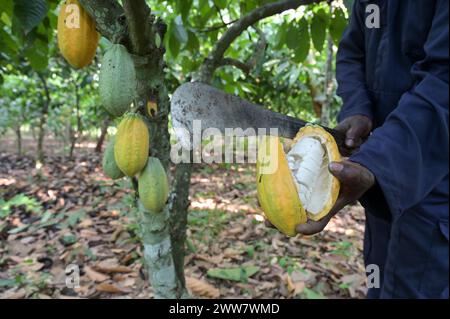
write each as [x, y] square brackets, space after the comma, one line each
[351, 70]
[409, 154]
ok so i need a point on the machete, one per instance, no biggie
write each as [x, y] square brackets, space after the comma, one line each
[216, 109]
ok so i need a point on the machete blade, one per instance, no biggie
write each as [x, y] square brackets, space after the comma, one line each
[216, 109]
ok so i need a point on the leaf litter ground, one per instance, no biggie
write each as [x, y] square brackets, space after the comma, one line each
[69, 213]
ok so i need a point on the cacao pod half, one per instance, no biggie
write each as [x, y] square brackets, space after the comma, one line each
[132, 145]
[299, 187]
[109, 164]
[77, 37]
[153, 186]
[117, 80]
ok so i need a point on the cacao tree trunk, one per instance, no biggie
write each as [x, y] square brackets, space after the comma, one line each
[75, 134]
[326, 106]
[19, 139]
[102, 137]
[43, 120]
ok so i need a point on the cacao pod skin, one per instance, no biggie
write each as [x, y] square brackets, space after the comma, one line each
[132, 145]
[117, 80]
[277, 193]
[153, 186]
[333, 155]
[77, 45]
[109, 165]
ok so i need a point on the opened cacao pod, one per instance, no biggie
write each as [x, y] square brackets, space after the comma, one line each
[297, 186]
[77, 36]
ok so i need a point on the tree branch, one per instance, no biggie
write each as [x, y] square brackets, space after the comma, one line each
[216, 55]
[109, 18]
[246, 68]
[140, 23]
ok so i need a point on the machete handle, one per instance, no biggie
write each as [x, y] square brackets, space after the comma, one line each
[340, 137]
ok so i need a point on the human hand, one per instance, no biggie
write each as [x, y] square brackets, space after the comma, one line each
[356, 129]
[355, 181]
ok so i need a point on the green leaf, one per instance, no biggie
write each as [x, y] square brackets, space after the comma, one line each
[68, 239]
[319, 30]
[280, 38]
[304, 42]
[292, 36]
[311, 294]
[7, 282]
[174, 46]
[235, 274]
[179, 31]
[337, 25]
[221, 4]
[183, 7]
[193, 43]
[158, 40]
[30, 13]
[18, 229]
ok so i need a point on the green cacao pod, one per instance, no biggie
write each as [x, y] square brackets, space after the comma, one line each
[109, 164]
[132, 145]
[153, 186]
[117, 80]
[77, 36]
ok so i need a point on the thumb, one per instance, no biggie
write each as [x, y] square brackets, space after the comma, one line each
[355, 135]
[338, 169]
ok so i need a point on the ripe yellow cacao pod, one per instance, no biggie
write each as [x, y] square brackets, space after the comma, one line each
[153, 186]
[297, 186]
[77, 36]
[132, 145]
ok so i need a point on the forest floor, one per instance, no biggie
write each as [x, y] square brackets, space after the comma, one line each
[69, 213]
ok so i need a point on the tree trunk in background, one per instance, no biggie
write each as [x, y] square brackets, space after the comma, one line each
[19, 140]
[102, 137]
[325, 118]
[42, 121]
[75, 134]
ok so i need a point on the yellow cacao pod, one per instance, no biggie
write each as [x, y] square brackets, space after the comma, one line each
[132, 145]
[153, 186]
[77, 36]
[297, 186]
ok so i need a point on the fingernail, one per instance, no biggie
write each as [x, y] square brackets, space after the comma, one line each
[336, 167]
[350, 142]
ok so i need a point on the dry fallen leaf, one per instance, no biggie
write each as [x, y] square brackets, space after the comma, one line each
[111, 266]
[201, 288]
[94, 275]
[106, 287]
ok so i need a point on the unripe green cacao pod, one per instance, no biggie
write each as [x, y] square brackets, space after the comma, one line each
[153, 186]
[117, 80]
[77, 36]
[109, 164]
[132, 145]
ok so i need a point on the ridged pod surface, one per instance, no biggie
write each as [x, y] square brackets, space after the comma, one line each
[77, 36]
[153, 186]
[109, 164]
[132, 145]
[277, 193]
[299, 187]
[117, 80]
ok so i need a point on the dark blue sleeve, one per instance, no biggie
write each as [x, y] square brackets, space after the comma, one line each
[350, 68]
[409, 154]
